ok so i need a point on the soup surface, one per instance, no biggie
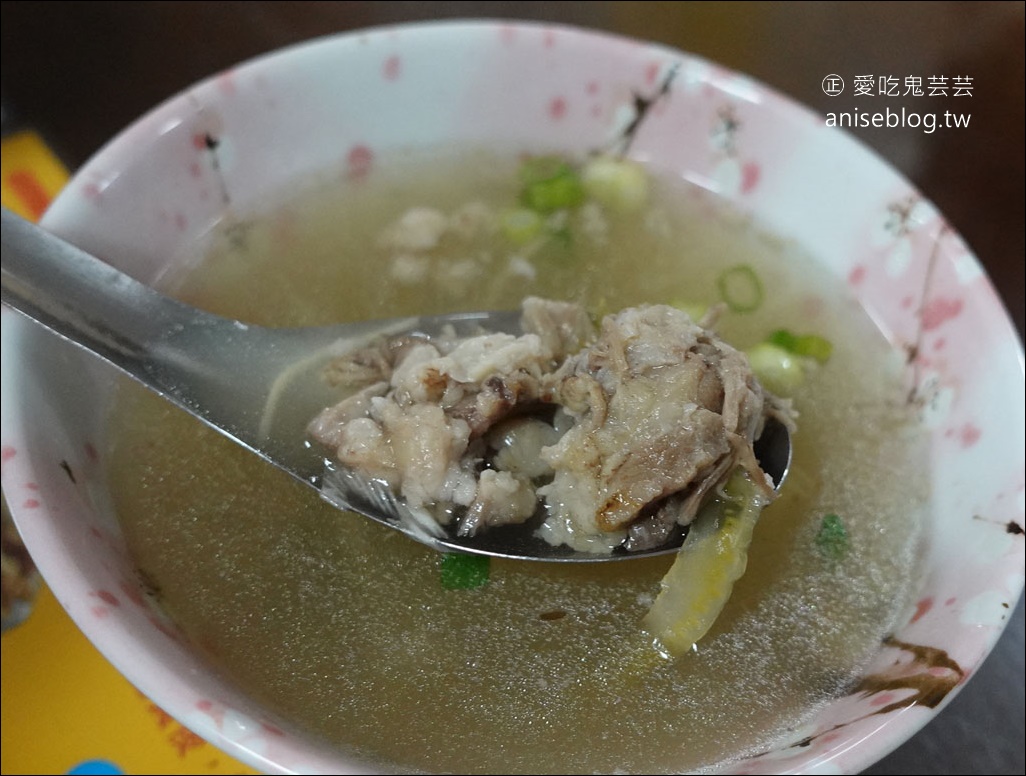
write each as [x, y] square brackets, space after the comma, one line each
[344, 629]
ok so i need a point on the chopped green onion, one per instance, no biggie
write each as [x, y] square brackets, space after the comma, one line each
[550, 184]
[777, 369]
[809, 345]
[816, 347]
[782, 338]
[832, 538]
[740, 288]
[543, 168]
[521, 225]
[555, 194]
[616, 183]
[463, 571]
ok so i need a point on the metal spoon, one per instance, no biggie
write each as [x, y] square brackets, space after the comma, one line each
[256, 385]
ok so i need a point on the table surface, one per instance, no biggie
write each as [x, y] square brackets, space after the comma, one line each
[80, 72]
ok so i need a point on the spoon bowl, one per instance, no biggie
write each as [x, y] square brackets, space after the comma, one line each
[257, 385]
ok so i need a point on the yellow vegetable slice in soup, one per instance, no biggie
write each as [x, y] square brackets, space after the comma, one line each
[713, 557]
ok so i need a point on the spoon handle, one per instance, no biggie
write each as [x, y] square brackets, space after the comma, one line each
[84, 299]
[199, 361]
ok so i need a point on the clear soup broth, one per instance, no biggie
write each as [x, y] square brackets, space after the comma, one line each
[343, 628]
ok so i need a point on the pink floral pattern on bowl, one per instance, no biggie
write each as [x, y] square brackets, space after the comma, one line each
[329, 108]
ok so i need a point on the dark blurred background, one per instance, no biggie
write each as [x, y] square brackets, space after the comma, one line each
[79, 72]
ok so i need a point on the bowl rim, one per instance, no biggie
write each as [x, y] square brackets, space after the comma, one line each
[885, 740]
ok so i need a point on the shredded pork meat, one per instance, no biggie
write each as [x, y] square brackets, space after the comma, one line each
[609, 437]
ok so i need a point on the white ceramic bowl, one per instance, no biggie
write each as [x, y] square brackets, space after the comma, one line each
[337, 103]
